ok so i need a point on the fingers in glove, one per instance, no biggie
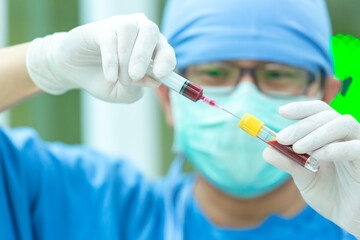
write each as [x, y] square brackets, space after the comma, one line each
[341, 128]
[109, 57]
[338, 151]
[127, 32]
[300, 129]
[301, 110]
[148, 82]
[164, 58]
[146, 41]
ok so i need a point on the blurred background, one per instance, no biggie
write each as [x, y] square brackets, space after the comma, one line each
[138, 131]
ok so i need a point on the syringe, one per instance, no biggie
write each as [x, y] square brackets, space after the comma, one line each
[180, 85]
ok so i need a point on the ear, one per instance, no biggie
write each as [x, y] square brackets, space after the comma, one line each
[163, 94]
[331, 88]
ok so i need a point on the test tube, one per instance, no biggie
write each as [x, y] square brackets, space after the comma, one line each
[256, 128]
[179, 84]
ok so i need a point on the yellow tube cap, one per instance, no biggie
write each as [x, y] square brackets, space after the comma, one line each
[251, 124]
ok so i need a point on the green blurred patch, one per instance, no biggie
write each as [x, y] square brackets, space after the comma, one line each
[56, 118]
[345, 56]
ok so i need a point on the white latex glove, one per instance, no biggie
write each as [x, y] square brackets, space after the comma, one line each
[108, 58]
[334, 139]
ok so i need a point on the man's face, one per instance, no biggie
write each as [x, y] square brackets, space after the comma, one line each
[271, 78]
[226, 157]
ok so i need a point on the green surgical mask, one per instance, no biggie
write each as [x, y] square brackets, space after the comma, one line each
[226, 156]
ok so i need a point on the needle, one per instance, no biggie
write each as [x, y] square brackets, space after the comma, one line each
[214, 104]
[230, 112]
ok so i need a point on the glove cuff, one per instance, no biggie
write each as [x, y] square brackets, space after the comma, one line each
[41, 64]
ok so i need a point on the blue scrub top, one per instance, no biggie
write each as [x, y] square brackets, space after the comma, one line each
[55, 191]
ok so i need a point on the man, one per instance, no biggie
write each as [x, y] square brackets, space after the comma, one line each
[250, 56]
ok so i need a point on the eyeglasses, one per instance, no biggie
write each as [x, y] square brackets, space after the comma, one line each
[270, 78]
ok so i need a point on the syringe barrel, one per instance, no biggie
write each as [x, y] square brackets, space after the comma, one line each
[174, 82]
[256, 128]
[179, 84]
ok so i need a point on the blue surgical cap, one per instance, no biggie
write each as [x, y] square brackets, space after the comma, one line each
[295, 32]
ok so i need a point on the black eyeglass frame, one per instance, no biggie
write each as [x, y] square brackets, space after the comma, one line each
[311, 77]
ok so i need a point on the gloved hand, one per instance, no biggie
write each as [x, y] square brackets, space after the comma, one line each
[108, 58]
[334, 139]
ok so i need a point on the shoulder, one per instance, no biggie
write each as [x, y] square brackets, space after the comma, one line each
[18, 137]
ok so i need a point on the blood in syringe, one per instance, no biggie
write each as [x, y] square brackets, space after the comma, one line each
[195, 93]
[192, 92]
[288, 151]
[210, 102]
